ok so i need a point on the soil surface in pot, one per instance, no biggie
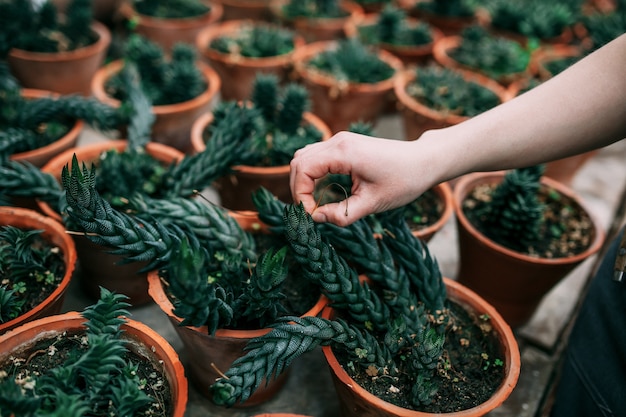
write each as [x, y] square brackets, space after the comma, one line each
[54, 352]
[424, 211]
[471, 371]
[567, 229]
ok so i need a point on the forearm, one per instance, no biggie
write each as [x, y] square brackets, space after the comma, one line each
[582, 108]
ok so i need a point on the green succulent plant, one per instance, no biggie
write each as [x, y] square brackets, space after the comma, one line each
[391, 27]
[93, 376]
[171, 9]
[451, 8]
[313, 9]
[604, 27]
[27, 26]
[490, 54]
[256, 40]
[447, 91]
[352, 61]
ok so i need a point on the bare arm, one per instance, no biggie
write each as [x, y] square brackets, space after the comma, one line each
[582, 108]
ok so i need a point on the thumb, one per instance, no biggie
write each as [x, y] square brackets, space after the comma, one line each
[342, 213]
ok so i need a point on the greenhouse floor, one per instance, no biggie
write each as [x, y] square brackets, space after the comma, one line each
[601, 183]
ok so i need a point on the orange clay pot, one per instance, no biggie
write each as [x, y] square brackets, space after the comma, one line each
[258, 10]
[318, 28]
[514, 283]
[172, 125]
[53, 232]
[207, 353]
[166, 32]
[356, 401]
[408, 54]
[61, 72]
[236, 189]
[142, 340]
[239, 72]
[444, 192]
[341, 103]
[418, 118]
[98, 267]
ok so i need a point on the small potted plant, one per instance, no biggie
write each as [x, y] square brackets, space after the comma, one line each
[219, 284]
[283, 125]
[410, 39]
[46, 53]
[499, 58]
[520, 233]
[391, 336]
[602, 26]
[451, 16]
[179, 86]
[37, 260]
[98, 362]
[316, 20]
[168, 22]
[348, 81]
[240, 49]
[433, 97]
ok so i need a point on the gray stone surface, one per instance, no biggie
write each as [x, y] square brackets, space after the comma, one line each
[309, 388]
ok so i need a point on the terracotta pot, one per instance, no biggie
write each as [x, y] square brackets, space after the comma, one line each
[444, 47]
[449, 25]
[238, 72]
[418, 118]
[99, 267]
[53, 232]
[166, 32]
[444, 193]
[281, 415]
[172, 125]
[356, 401]
[236, 189]
[207, 354]
[408, 54]
[258, 10]
[318, 29]
[513, 282]
[62, 72]
[142, 340]
[40, 156]
[103, 10]
[340, 104]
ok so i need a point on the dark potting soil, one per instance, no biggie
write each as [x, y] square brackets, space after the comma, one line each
[469, 372]
[424, 211]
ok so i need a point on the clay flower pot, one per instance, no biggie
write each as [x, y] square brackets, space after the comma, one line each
[239, 72]
[40, 156]
[166, 32]
[443, 192]
[236, 189]
[99, 267]
[172, 125]
[418, 117]
[62, 72]
[513, 282]
[356, 401]
[408, 54]
[209, 355]
[53, 232]
[318, 28]
[340, 103]
[142, 340]
[258, 10]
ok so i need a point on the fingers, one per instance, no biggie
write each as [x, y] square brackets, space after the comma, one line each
[342, 213]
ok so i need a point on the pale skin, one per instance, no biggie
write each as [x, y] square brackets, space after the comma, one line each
[581, 109]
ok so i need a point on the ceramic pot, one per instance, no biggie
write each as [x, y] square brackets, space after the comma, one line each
[53, 232]
[40, 156]
[449, 25]
[418, 118]
[337, 103]
[103, 10]
[172, 125]
[258, 10]
[444, 193]
[62, 72]
[408, 54]
[142, 340]
[442, 53]
[207, 354]
[238, 72]
[166, 32]
[99, 267]
[514, 283]
[318, 29]
[236, 189]
[356, 401]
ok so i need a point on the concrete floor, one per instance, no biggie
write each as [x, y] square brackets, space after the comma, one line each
[309, 390]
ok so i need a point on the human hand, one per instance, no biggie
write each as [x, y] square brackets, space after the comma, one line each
[382, 172]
